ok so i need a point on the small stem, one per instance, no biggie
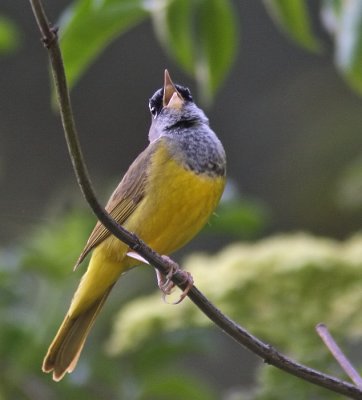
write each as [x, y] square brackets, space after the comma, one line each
[41, 19]
[338, 354]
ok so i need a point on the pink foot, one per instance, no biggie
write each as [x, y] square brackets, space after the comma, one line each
[165, 283]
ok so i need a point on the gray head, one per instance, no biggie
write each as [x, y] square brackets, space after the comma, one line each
[172, 107]
[185, 129]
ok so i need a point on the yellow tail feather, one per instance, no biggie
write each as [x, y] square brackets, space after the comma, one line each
[67, 345]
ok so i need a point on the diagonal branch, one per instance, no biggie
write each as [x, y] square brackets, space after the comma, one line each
[338, 354]
[240, 335]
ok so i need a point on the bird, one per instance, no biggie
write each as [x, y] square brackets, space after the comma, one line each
[165, 198]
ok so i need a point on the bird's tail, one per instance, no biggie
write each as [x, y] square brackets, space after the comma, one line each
[67, 345]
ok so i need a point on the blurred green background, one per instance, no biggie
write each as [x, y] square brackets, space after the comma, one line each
[281, 82]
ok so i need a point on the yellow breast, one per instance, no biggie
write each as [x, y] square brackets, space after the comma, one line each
[177, 204]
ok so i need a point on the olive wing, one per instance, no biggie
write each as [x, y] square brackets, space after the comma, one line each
[124, 199]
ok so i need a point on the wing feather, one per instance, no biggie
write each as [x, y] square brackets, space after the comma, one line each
[124, 199]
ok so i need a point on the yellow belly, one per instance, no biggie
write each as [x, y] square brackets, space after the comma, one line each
[180, 205]
[176, 205]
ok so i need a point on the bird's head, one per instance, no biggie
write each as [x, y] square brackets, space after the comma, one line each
[171, 107]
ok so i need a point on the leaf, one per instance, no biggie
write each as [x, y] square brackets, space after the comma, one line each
[201, 36]
[242, 218]
[9, 35]
[330, 14]
[54, 248]
[88, 26]
[217, 39]
[344, 20]
[292, 18]
[173, 27]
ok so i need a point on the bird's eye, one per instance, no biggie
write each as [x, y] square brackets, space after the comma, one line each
[153, 110]
[187, 94]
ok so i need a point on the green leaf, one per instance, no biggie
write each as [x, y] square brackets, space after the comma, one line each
[54, 248]
[292, 18]
[201, 36]
[344, 20]
[9, 35]
[173, 27]
[88, 26]
[242, 218]
[217, 39]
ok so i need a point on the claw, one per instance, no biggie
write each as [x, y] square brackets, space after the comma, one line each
[166, 285]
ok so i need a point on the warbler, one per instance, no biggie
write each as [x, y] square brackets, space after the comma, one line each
[166, 197]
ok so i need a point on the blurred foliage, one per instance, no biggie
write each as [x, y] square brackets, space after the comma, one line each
[10, 37]
[343, 20]
[278, 288]
[202, 35]
[349, 187]
[292, 17]
[238, 216]
[88, 26]
[242, 218]
[56, 246]
[37, 283]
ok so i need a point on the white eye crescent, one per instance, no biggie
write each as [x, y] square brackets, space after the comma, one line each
[153, 110]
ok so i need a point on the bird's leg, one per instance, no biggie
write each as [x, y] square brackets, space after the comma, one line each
[162, 282]
[165, 283]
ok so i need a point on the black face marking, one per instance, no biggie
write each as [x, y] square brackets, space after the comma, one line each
[156, 101]
[183, 124]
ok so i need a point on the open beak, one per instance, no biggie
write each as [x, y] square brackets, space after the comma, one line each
[171, 97]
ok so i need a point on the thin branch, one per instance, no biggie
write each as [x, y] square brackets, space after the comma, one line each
[338, 354]
[265, 351]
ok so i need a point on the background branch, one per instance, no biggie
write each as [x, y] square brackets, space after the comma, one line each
[265, 351]
[338, 354]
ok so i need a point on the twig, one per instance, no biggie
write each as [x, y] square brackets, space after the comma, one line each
[338, 354]
[265, 351]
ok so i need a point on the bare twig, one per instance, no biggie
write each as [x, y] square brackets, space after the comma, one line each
[265, 351]
[338, 354]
